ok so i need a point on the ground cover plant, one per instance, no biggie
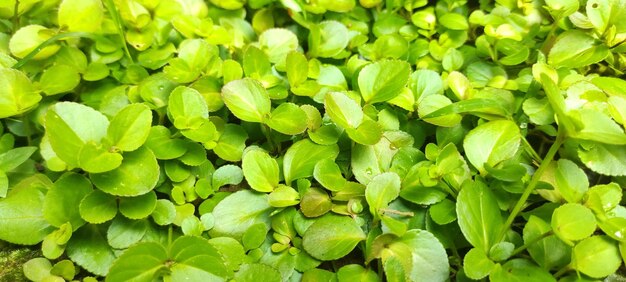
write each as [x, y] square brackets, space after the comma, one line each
[289, 140]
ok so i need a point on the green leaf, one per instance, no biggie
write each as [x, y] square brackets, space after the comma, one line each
[549, 252]
[138, 207]
[17, 95]
[62, 200]
[89, 249]
[520, 270]
[328, 39]
[59, 79]
[288, 118]
[164, 147]
[260, 170]
[22, 221]
[97, 159]
[328, 174]
[596, 256]
[383, 189]
[284, 196]
[315, 202]
[97, 207]
[344, 111]
[37, 269]
[164, 212]
[185, 102]
[476, 264]
[300, 159]
[297, 68]
[232, 251]
[277, 43]
[231, 143]
[257, 271]
[227, 174]
[571, 181]
[605, 159]
[13, 158]
[332, 237]
[454, 21]
[479, 215]
[65, 269]
[383, 80]
[70, 126]
[123, 233]
[137, 175]
[27, 39]
[367, 133]
[443, 212]
[188, 258]
[78, 15]
[130, 127]
[572, 222]
[232, 221]
[420, 254]
[247, 100]
[575, 48]
[256, 64]
[355, 272]
[491, 143]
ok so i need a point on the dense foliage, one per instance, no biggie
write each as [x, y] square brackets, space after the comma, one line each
[288, 140]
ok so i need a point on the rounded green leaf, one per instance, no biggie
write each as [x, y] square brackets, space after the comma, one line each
[37, 269]
[123, 232]
[17, 94]
[520, 270]
[137, 175]
[62, 200]
[343, 110]
[454, 21]
[59, 79]
[596, 256]
[479, 215]
[572, 222]
[571, 180]
[491, 143]
[98, 207]
[260, 170]
[355, 272]
[188, 103]
[257, 272]
[247, 99]
[130, 127]
[138, 207]
[368, 132]
[576, 48]
[139, 263]
[332, 237]
[164, 212]
[301, 157]
[163, 145]
[288, 118]
[231, 143]
[89, 249]
[476, 264]
[81, 15]
[328, 174]
[70, 125]
[277, 43]
[383, 189]
[328, 39]
[97, 159]
[383, 80]
[232, 221]
[227, 174]
[27, 38]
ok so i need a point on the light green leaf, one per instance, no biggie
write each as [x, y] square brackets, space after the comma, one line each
[28, 38]
[231, 143]
[596, 256]
[520, 270]
[368, 132]
[79, 15]
[300, 159]
[549, 252]
[164, 212]
[257, 271]
[332, 237]
[17, 94]
[137, 175]
[260, 170]
[89, 249]
[226, 174]
[420, 255]
[355, 272]
[70, 125]
[277, 43]
[383, 189]
[605, 159]
[62, 200]
[492, 143]
[328, 174]
[575, 48]
[571, 181]
[123, 232]
[185, 102]
[22, 221]
[138, 207]
[97, 207]
[130, 127]
[476, 264]
[297, 68]
[95, 158]
[247, 100]
[572, 222]
[479, 215]
[37, 269]
[59, 79]
[328, 39]
[383, 80]
[232, 221]
[13, 158]
[343, 110]
[288, 118]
